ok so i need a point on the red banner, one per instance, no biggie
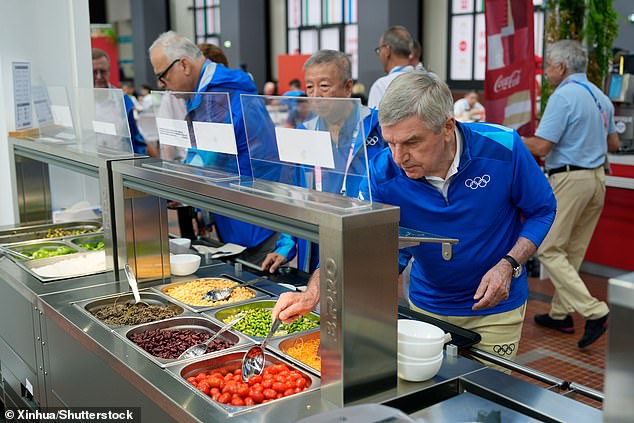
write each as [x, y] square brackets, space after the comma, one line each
[509, 84]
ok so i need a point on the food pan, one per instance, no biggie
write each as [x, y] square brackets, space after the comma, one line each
[94, 305]
[164, 288]
[81, 269]
[31, 232]
[90, 240]
[186, 322]
[281, 345]
[226, 312]
[228, 363]
[25, 250]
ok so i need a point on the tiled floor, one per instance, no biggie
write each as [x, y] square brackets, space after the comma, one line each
[556, 353]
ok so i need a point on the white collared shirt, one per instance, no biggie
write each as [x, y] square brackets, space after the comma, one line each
[441, 184]
[380, 85]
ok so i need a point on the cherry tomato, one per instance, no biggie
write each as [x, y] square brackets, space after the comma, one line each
[257, 396]
[289, 391]
[215, 382]
[279, 378]
[203, 387]
[279, 387]
[191, 379]
[269, 394]
[258, 387]
[284, 373]
[224, 398]
[237, 401]
[201, 376]
[214, 391]
[279, 396]
[267, 383]
[300, 383]
[216, 396]
[243, 390]
[249, 401]
[255, 379]
[237, 371]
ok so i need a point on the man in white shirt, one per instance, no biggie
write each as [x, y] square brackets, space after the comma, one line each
[394, 49]
[467, 109]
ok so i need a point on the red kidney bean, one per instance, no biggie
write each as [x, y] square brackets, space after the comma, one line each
[171, 343]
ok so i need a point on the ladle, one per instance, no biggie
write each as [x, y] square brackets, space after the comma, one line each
[220, 294]
[254, 360]
[133, 285]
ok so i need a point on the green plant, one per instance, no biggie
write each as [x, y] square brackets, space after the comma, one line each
[601, 28]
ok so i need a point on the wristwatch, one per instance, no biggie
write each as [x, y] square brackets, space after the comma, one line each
[517, 268]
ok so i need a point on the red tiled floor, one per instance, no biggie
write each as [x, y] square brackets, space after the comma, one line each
[556, 353]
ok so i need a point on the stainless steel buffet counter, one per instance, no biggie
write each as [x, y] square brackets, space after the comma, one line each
[86, 363]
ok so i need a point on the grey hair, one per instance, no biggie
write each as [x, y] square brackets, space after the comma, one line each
[324, 57]
[175, 46]
[571, 53]
[417, 93]
[399, 39]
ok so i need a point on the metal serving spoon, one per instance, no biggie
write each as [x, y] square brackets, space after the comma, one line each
[200, 349]
[220, 294]
[253, 361]
[133, 285]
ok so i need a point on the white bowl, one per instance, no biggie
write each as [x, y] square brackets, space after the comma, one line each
[421, 350]
[417, 331]
[184, 264]
[418, 372]
[403, 358]
[180, 245]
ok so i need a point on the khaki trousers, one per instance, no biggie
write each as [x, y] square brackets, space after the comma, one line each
[500, 332]
[580, 195]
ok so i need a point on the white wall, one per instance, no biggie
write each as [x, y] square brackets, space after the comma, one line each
[277, 33]
[54, 35]
[435, 36]
[182, 18]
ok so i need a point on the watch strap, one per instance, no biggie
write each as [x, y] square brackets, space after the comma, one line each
[513, 262]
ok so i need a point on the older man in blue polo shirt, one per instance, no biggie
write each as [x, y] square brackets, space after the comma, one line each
[575, 133]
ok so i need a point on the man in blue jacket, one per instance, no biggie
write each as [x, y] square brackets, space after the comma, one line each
[476, 182]
[328, 74]
[180, 66]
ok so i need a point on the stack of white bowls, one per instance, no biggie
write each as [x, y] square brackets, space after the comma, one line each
[420, 348]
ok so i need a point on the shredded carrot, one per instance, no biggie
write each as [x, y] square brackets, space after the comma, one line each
[306, 352]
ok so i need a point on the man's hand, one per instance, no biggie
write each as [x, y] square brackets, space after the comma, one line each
[494, 287]
[272, 262]
[292, 305]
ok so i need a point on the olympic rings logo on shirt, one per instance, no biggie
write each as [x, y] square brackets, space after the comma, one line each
[372, 140]
[477, 182]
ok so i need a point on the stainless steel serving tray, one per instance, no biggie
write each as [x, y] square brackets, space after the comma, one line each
[93, 305]
[280, 345]
[22, 250]
[85, 239]
[30, 232]
[161, 289]
[223, 313]
[231, 361]
[29, 265]
[184, 322]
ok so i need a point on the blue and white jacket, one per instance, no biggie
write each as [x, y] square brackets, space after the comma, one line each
[498, 195]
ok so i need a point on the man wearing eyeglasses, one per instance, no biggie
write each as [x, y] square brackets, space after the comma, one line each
[394, 50]
[101, 79]
[180, 66]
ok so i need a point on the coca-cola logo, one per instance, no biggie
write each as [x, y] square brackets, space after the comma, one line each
[507, 82]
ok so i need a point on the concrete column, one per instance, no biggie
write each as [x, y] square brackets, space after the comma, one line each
[375, 16]
[149, 20]
[244, 26]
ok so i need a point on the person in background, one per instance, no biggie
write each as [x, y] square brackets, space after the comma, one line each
[575, 133]
[477, 182]
[101, 79]
[295, 89]
[214, 53]
[328, 75]
[467, 109]
[180, 66]
[358, 91]
[394, 50]
[128, 89]
[415, 59]
[270, 88]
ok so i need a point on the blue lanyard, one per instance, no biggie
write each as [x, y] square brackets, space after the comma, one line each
[596, 102]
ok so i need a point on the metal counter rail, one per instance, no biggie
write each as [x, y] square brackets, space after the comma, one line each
[557, 383]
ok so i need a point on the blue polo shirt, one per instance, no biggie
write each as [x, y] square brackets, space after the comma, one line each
[573, 122]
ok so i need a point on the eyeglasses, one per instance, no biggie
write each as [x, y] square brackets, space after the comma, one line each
[377, 50]
[161, 76]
